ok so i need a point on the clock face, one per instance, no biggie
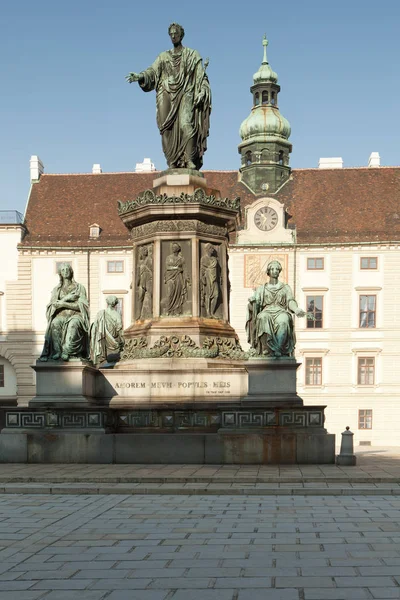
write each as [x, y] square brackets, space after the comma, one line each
[266, 218]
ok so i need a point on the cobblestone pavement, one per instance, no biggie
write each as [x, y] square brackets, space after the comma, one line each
[199, 547]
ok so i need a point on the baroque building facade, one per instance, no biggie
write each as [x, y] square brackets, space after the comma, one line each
[336, 232]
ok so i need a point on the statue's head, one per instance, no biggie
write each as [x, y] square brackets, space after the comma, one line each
[210, 250]
[175, 247]
[112, 301]
[65, 270]
[144, 251]
[274, 264]
[176, 33]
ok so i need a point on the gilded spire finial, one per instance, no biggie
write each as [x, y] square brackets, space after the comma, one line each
[265, 44]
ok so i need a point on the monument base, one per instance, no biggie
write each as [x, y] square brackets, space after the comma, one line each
[251, 448]
[229, 433]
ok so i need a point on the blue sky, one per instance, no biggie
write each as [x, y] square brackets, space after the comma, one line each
[64, 97]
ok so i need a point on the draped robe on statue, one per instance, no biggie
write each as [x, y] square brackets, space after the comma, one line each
[178, 78]
[269, 323]
[67, 328]
[176, 283]
[105, 335]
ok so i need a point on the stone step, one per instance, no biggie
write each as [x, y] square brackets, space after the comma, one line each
[189, 489]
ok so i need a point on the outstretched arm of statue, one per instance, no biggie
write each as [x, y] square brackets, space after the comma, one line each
[131, 77]
[293, 306]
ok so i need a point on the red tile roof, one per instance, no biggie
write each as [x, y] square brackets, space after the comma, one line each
[326, 205]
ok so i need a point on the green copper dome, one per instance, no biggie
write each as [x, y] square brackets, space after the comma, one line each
[265, 122]
[265, 73]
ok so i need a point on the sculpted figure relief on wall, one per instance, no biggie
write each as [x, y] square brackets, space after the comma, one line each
[210, 282]
[177, 283]
[144, 282]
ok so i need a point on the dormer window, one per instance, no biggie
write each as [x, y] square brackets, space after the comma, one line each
[265, 97]
[94, 230]
[257, 99]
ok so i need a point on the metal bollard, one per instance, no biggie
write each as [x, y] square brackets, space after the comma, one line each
[346, 456]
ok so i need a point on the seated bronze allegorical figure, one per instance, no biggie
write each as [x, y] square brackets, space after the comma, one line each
[67, 319]
[269, 322]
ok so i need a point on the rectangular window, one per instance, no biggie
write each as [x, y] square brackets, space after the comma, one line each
[368, 262]
[115, 266]
[315, 264]
[366, 371]
[62, 262]
[314, 311]
[1, 376]
[367, 311]
[365, 419]
[313, 371]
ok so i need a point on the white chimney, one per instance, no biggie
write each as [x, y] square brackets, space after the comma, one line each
[36, 168]
[96, 168]
[374, 160]
[145, 167]
[330, 163]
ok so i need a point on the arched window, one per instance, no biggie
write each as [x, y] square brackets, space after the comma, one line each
[281, 157]
[257, 99]
[272, 97]
[265, 97]
[247, 159]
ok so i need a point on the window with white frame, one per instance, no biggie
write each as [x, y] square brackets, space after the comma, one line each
[115, 266]
[313, 370]
[314, 311]
[315, 264]
[366, 370]
[94, 230]
[367, 311]
[365, 418]
[368, 263]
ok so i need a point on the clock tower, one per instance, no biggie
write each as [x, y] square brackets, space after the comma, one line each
[265, 145]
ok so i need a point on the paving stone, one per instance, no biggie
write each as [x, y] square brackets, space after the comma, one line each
[202, 595]
[181, 583]
[243, 582]
[304, 582]
[336, 594]
[364, 582]
[268, 594]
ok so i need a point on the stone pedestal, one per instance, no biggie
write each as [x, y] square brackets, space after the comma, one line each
[272, 381]
[179, 212]
[61, 384]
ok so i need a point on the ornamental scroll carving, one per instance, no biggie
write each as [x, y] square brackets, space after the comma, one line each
[181, 225]
[184, 347]
[199, 196]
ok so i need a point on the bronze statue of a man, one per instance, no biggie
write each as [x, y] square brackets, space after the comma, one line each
[183, 101]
